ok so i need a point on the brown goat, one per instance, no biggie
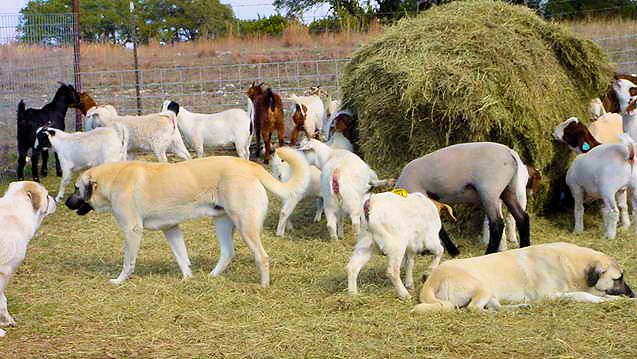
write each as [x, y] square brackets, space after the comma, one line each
[86, 102]
[268, 112]
[535, 179]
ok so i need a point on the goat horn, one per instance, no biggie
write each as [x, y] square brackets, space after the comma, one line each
[261, 84]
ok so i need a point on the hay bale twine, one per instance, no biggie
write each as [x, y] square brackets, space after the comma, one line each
[472, 71]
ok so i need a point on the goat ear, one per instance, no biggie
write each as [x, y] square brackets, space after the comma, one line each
[632, 91]
[50, 132]
[252, 84]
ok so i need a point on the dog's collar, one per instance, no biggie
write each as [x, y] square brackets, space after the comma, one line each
[400, 191]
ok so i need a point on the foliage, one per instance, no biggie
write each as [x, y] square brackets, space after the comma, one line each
[572, 9]
[471, 71]
[109, 20]
[271, 25]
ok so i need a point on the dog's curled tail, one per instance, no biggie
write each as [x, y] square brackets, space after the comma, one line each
[298, 182]
[429, 301]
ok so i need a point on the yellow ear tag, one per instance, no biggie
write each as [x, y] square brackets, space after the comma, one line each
[400, 191]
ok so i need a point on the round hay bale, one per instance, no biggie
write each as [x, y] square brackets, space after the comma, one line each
[472, 71]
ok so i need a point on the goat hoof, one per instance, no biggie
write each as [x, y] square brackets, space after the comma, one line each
[59, 174]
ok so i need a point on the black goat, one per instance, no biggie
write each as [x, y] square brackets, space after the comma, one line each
[29, 120]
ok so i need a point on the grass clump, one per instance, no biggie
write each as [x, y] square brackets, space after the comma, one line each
[472, 71]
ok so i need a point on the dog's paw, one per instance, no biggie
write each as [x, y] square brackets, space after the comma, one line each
[116, 281]
[2, 333]
[7, 321]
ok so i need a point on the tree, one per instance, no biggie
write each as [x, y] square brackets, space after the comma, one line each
[585, 8]
[109, 20]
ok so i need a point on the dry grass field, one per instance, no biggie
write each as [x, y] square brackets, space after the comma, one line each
[65, 307]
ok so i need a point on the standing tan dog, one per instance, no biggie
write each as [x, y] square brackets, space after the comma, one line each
[540, 272]
[22, 209]
[160, 196]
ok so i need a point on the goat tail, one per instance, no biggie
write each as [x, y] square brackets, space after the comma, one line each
[298, 182]
[252, 117]
[429, 301]
[122, 131]
[520, 179]
[21, 110]
[447, 243]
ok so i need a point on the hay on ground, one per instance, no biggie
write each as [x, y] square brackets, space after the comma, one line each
[472, 71]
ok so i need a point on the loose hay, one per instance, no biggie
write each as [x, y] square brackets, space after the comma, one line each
[472, 71]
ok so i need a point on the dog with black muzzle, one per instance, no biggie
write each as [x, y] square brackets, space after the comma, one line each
[22, 209]
[160, 196]
[550, 271]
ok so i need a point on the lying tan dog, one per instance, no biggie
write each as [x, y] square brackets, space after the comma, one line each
[540, 272]
[22, 209]
[160, 196]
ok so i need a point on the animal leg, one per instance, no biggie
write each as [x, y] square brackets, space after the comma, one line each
[179, 149]
[45, 163]
[294, 136]
[393, 273]
[519, 214]
[410, 260]
[361, 255]
[509, 229]
[437, 250]
[267, 140]
[224, 228]
[319, 210]
[22, 160]
[496, 225]
[578, 197]
[175, 238]
[58, 166]
[251, 237]
[160, 154]
[622, 203]
[611, 216]
[480, 300]
[66, 178]
[133, 233]
[284, 215]
[281, 131]
[340, 224]
[331, 217]
[5, 317]
[633, 202]
[582, 297]
[198, 145]
[35, 158]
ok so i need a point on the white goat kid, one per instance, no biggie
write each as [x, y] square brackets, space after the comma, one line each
[606, 172]
[313, 111]
[156, 132]
[81, 150]
[402, 227]
[345, 179]
[232, 126]
[281, 171]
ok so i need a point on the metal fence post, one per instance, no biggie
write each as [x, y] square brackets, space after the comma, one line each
[76, 59]
[135, 60]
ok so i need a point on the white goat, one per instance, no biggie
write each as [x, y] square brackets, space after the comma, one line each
[312, 110]
[156, 132]
[81, 150]
[89, 121]
[606, 172]
[281, 171]
[331, 106]
[597, 109]
[399, 226]
[338, 128]
[626, 92]
[232, 126]
[345, 179]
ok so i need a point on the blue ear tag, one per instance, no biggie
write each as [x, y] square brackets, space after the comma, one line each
[586, 147]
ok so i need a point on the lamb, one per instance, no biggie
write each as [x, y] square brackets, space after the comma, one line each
[156, 132]
[481, 172]
[281, 171]
[81, 150]
[345, 179]
[232, 126]
[606, 172]
[400, 226]
[308, 115]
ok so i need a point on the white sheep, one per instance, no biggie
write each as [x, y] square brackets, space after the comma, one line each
[281, 171]
[606, 172]
[156, 132]
[401, 226]
[81, 150]
[312, 111]
[232, 126]
[345, 179]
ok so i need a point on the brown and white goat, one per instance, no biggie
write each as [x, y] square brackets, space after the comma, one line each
[582, 139]
[268, 112]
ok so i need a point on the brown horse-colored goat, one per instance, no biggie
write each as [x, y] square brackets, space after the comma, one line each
[268, 112]
[85, 104]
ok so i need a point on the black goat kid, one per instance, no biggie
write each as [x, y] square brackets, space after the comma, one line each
[29, 120]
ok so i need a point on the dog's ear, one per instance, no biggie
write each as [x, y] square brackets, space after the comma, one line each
[592, 274]
[35, 196]
[90, 188]
[424, 278]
